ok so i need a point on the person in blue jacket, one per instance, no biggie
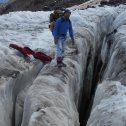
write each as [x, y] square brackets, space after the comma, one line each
[62, 25]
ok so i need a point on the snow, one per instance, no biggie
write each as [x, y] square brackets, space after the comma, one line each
[3, 1]
[26, 28]
[51, 96]
[109, 105]
[110, 97]
[87, 4]
[30, 29]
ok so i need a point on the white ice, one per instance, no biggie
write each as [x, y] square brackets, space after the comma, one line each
[50, 96]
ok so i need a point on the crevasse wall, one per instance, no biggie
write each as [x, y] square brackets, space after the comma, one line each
[110, 98]
[14, 77]
[54, 96]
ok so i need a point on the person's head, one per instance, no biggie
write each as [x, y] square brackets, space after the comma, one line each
[67, 13]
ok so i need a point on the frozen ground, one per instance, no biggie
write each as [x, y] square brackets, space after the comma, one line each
[44, 95]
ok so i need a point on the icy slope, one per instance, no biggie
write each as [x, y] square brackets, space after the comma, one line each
[110, 98]
[55, 94]
[15, 73]
[50, 96]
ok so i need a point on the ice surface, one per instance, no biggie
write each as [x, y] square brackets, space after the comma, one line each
[52, 96]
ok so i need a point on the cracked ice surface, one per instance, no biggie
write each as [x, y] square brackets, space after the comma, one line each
[110, 98]
[52, 97]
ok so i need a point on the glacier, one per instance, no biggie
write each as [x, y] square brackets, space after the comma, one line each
[37, 94]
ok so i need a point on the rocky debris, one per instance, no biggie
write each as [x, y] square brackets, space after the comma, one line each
[37, 5]
[113, 2]
[94, 3]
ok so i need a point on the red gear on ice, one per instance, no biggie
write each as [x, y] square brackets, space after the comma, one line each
[27, 51]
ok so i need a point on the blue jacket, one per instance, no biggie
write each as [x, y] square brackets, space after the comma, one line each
[61, 27]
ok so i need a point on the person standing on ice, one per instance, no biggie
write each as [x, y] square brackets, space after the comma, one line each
[62, 25]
